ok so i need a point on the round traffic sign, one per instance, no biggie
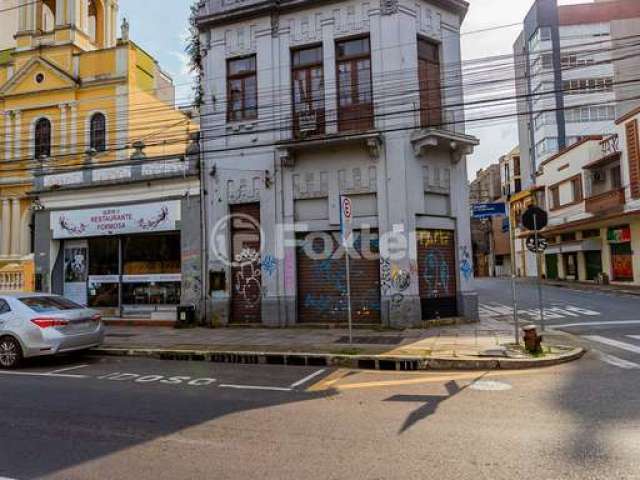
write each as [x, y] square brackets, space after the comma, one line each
[347, 208]
[538, 245]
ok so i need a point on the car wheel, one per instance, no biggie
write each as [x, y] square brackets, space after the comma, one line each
[10, 352]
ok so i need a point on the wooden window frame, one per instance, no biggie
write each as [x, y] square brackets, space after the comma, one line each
[243, 77]
[357, 116]
[556, 186]
[308, 68]
[42, 149]
[98, 138]
[430, 95]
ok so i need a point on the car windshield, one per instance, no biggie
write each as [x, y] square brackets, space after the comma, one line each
[49, 304]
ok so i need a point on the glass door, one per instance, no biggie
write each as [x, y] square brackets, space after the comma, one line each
[104, 272]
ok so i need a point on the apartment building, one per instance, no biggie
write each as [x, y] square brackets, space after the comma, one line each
[592, 191]
[307, 103]
[571, 63]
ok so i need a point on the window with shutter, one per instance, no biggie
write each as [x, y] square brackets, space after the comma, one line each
[633, 153]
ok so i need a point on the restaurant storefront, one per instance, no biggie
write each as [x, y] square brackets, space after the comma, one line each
[126, 260]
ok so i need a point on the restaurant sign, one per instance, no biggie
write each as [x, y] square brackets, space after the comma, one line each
[98, 222]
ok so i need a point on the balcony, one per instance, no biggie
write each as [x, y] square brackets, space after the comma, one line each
[607, 202]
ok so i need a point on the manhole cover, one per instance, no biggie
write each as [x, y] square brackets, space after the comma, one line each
[490, 386]
[373, 340]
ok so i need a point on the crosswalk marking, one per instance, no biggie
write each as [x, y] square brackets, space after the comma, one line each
[557, 312]
[613, 343]
[618, 362]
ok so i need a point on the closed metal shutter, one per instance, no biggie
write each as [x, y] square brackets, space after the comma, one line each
[246, 276]
[437, 271]
[322, 285]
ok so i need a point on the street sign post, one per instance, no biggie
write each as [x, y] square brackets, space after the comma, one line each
[535, 218]
[346, 225]
[488, 210]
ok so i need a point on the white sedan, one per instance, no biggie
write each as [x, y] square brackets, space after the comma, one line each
[33, 325]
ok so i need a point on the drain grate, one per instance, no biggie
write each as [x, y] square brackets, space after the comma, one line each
[121, 335]
[373, 340]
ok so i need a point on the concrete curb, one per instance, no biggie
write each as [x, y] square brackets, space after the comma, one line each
[364, 362]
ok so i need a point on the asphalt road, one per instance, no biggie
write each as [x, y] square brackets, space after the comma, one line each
[91, 418]
[122, 418]
[606, 323]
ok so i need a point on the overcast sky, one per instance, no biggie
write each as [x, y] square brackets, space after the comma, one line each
[163, 33]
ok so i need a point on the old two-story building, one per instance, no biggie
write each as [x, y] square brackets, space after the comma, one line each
[592, 194]
[307, 102]
[97, 194]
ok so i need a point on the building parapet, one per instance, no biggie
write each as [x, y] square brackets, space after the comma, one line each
[92, 175]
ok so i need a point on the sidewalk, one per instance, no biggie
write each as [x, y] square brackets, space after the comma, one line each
[588, 286]
[483, 345]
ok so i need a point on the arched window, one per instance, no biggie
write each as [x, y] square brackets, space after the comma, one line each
[43, 138]
[98, 132]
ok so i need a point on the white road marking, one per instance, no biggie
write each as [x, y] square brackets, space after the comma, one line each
[617, 362]
[307, 378]
[597, 324]
[635, 337]
[613, 343]
[255, 387]
[554, 312]
[33, 374]
[77, 367]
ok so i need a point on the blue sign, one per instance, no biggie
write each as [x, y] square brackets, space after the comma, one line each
[506, 225]
[488, 210]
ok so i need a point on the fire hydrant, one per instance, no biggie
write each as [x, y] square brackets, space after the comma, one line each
[532, 341]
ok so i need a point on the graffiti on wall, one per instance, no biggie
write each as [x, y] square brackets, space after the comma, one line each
[248, 282]
[269, 265]
[436, 273]
[394, 281]
[466, 267]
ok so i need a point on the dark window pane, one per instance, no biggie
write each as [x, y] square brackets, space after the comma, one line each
[99, 132]
[103, 256]
[307, 56]
[242, 65]
[42, 138]
[151, 254]
[350, 48]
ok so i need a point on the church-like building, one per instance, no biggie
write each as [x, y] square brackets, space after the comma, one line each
[74, 97]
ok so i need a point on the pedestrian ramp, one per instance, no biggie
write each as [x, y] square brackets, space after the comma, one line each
[629, 344]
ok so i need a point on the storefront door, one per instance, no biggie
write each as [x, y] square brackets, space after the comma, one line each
[622, 261]
[594, 264]
[619, 239]
[246, 273]
[571, 266]
[437, 270]
[552, 266]
[136, 274]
